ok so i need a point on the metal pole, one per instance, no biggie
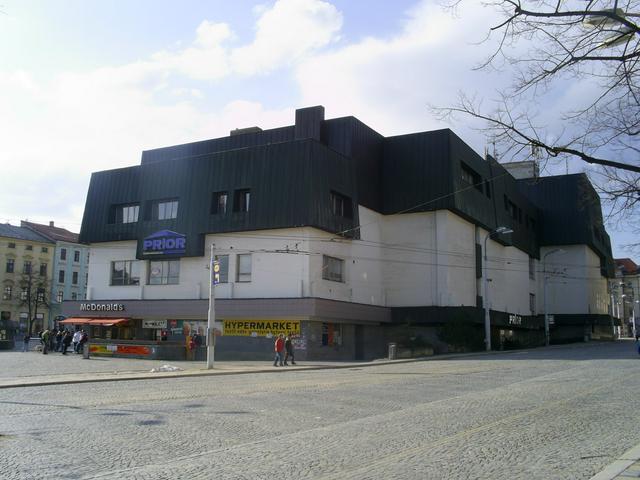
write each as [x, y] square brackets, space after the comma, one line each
[546, 312]
[485, 298]
[211, 317]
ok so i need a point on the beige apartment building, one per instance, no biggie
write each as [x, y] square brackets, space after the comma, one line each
[25, 277]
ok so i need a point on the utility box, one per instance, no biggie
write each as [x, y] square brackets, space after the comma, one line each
[393, 351]
[85, 350]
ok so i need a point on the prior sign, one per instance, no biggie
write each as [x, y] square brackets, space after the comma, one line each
[165, 242]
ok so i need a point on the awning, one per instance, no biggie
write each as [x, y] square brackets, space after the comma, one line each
[106, 322]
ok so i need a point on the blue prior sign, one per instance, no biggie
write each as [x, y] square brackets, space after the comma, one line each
[164, 242]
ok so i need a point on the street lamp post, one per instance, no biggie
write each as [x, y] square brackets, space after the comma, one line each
[485, 284]
[547, 337]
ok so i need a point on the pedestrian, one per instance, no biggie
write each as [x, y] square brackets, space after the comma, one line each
[59, 336]
[52, 338]
[45, 337]
[84, 338]
[76, 340]
[25, 340]
[66, 341]
[288, 346]
[279, 348]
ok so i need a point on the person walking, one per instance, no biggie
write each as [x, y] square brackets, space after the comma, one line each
[288, 346]
[66, 341]
[84, 338]
[279, 348]
[25, 342]
[76, 340]
[59, 337]
[46, 334]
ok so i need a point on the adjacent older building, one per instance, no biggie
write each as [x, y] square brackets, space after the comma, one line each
[625, 294]
[345, 239]
[25, 276]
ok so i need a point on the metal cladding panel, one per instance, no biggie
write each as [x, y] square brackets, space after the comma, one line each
[363, 145]
[289, 184]
[572, 214]
[417, 173]
[232, 142]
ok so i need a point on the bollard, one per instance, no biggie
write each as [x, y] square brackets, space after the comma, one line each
[392, 351]
[85, 350]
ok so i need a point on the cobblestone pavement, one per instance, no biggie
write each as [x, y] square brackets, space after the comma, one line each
[562, 413]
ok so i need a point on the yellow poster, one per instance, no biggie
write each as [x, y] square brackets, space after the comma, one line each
[260, 328]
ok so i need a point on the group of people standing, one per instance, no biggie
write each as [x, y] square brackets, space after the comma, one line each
[58, 340]
[284, 350]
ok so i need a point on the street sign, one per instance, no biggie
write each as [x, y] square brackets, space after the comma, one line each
[216, 272]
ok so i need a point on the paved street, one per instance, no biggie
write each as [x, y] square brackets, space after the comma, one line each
[558, 413]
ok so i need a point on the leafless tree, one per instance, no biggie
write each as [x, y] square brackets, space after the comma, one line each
[549, 47]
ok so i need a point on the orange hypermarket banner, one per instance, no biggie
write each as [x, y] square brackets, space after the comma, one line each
[260, 328]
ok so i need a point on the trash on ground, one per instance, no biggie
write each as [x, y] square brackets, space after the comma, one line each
[166, 368]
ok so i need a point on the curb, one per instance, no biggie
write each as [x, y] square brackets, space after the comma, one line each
[109, 377]
[620, 465]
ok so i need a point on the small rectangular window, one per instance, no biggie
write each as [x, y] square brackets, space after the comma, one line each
[60, 296]
[24, 294]
[61, 276]
[164, 209]
[126, 213]
[241, 200]
[331, 334]
[44, 250]
[10, 265]
[223, 274]
[40, 295]
[11, 245]
[74, 296]
[332, 269]
[532, 268]
[7, 293]
[125, 272]
[165, 272]
[74, 278]
[28, 247]
[76, 255]
[244, 267]
[63, 254]
[532, 303]
[470, 176]
[341, 205]
[26, 267]
[219, 203]
[43, 269]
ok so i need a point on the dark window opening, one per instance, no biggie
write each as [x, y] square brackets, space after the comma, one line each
[241, 199]
[127, 213]
[470, 177]
[219, 203]
[341, 205]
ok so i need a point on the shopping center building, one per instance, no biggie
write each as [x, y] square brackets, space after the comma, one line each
[344, 238]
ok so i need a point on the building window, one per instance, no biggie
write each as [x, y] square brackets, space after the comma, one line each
[165, 272]
[43, 269]
[26, 267]
[244, 267]
[126, 272]
[331, 334]
[10, 265]
[11, 245]
[241, 200]
[60, 296]
[223, 262]
[127, 213]
[63, 254]
[470, 177]
[61, 276]
[74, 278]
[219, 203]
[7, 293]
[487, 189]
[532, 303]
[24, 294]
[74, 296]
[164, 209]
[332, 269]
[40, 294]
[28, 247]
[532, 268]
[341, 205]
[76, 255]
[44, 250]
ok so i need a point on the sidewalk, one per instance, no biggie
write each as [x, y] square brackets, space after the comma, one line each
[18, 368]
[624, 468]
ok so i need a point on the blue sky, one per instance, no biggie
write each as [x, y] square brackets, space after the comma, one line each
[88, 85]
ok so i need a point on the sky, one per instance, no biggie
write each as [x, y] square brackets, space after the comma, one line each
[87, 85]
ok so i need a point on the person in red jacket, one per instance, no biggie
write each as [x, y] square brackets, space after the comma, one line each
[279, 347]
